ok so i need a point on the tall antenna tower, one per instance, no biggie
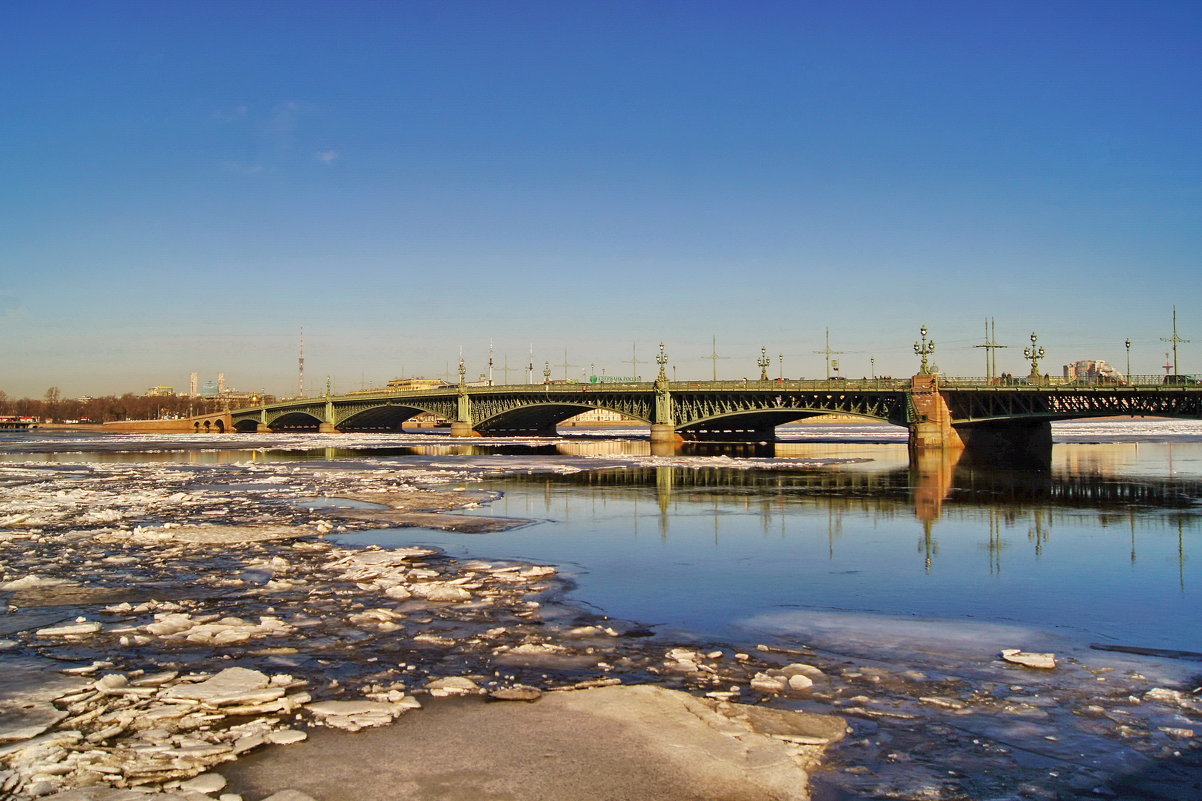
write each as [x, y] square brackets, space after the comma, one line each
[714, 357]
[300, 364]
[990, 347]
[827, 350]
[1175, 340]
[633, 361]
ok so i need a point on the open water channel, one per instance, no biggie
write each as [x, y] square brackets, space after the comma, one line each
[827, 540]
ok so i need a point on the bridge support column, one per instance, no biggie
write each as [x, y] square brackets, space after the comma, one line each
[326, 428]
[933, 428]
[462, 428]
[665, 432]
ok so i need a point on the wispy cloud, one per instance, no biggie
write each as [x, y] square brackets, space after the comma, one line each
[274, 136]
[279, 129]
[243, 169]
[231, 114]
[10, 305]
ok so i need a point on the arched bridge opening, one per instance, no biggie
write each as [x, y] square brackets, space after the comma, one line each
[295, 421]
[389, 419]
[757, 425]
[537, 420]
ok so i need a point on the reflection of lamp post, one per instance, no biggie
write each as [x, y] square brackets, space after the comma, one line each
[1035, 352]
[924, 350]
[763, 363]
[1127, 344]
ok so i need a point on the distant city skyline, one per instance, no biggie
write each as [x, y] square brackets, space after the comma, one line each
[187, 185]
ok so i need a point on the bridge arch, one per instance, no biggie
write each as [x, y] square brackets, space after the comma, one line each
[539, 419]
[740, 425]
[295, 421]
[386, 417]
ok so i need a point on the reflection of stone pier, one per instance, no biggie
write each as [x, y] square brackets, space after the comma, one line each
[932, 477]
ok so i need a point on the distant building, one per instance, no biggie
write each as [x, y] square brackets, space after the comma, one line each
[208, 389]
[598, 417]
[160, 392]
[1093, 371]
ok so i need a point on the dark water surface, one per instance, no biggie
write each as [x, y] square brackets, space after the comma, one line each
[747, 541]
[1102, 548]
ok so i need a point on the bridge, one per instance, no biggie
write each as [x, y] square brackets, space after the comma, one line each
[977, 415]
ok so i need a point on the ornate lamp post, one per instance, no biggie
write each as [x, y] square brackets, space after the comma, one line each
[1127, 344]
[661, 359]
[872, 366]
[546, 373]
[925, 349]
[781, 358]
[1035, 352]
[763, 363]
[462, 373]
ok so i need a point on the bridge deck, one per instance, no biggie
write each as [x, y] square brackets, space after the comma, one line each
[748, 409]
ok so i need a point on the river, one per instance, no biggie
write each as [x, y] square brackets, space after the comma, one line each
[829, 539]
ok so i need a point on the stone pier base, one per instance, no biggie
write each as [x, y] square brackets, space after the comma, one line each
[664, 432]
[935, 430]
[460, 429]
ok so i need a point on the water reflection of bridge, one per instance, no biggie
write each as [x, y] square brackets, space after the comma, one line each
[933, 487]
[992, 499]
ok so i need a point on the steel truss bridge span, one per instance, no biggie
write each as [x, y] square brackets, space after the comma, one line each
[938, 412]
[699, 410]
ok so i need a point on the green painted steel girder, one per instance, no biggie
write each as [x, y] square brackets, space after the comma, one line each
[695, 405]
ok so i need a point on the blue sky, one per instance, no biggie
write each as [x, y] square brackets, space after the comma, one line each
[187, 184]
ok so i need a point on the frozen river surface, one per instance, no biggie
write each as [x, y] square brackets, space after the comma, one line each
[827, 540]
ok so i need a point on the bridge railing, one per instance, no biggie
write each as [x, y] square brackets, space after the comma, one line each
[1135, 381]
[676, 386]
[801, 385]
